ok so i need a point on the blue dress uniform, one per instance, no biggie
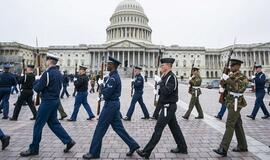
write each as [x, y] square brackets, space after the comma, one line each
[4, 139]
[49, 85]
[7, 80]
[137, 97]
[81, 86]
[110, 115]
[260, 80]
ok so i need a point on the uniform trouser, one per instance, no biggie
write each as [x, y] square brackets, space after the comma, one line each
[4, 97]
[1, 134]
[259, 104]
[194, 101]
[47, 113]
[74, 92]
[222, 110]
[61, 110]
[64, 91]
[81, 99]
[234, 123]
[137, 97]
[92, 88]
[157, 110]
[110, 115]
[162, 121]
[26, 95]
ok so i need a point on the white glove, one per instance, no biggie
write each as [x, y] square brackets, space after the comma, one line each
[157, 78]
[225, 76]
[252, 77]
[107, 74]
[22, 74]
[75, 79]
[221, 90]
[190, 78]
[155, 91]
[100, 81]
[37, 77]
[133, 80]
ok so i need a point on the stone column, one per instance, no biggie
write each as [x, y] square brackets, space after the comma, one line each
[139, 60]
[129, 59]
[264, 58]
[148, 59]
[133, 58]
[123, 58]
[143, 58]
[118, 55]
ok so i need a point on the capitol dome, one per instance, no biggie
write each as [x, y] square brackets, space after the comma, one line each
[129, 22]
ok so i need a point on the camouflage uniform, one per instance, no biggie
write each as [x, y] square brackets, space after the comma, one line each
[195, 91]
[236, 83]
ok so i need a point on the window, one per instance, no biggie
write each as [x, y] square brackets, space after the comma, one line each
[176, 64]
[68, 62]
[61, 55]
[191, 56]
[83, 55]
[76, 55]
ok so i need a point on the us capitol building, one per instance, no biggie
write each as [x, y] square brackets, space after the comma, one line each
[129, 40]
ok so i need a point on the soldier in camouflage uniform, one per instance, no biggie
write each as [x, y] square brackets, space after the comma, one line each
[236, 84]
[195, 91]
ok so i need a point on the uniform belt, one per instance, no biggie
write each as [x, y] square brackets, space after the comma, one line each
[236, 94]
[196, 87]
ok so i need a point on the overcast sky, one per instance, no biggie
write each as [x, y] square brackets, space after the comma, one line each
[208, 23]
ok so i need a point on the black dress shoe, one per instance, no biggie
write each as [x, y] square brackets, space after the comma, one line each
[250, 116]
[71, 120]
[130, 152]
[5, 141]
[1, 111]
[89, 156]
[145, 118]
[5, 118]
[33, 118]
[199, 117]
[265, 117]
[218, 117]
[62, 118]
[69, 146]
[28, 153]
[143, 154]
[185, 117]
[237, 149]
[178, 150]
[126, 119]
[90, 118]
[221, 152]
[13, 119]
[153, 118]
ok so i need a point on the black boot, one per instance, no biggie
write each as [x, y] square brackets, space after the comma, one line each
[13, 119]
[178, 150]
[5, 142]
[69, 146]
[89, 156]
[221, 152]
[250, 116]
[237, 149]
[28, 153]
[130, 152]
[143, 154]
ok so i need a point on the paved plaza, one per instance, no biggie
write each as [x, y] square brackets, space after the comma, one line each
[201, 135]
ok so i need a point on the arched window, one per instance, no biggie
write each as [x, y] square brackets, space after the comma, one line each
[216, 74]
[207, 74]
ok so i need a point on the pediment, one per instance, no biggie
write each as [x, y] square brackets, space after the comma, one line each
[125, 44]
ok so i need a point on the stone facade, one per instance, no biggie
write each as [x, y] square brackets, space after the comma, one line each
[129, 40]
